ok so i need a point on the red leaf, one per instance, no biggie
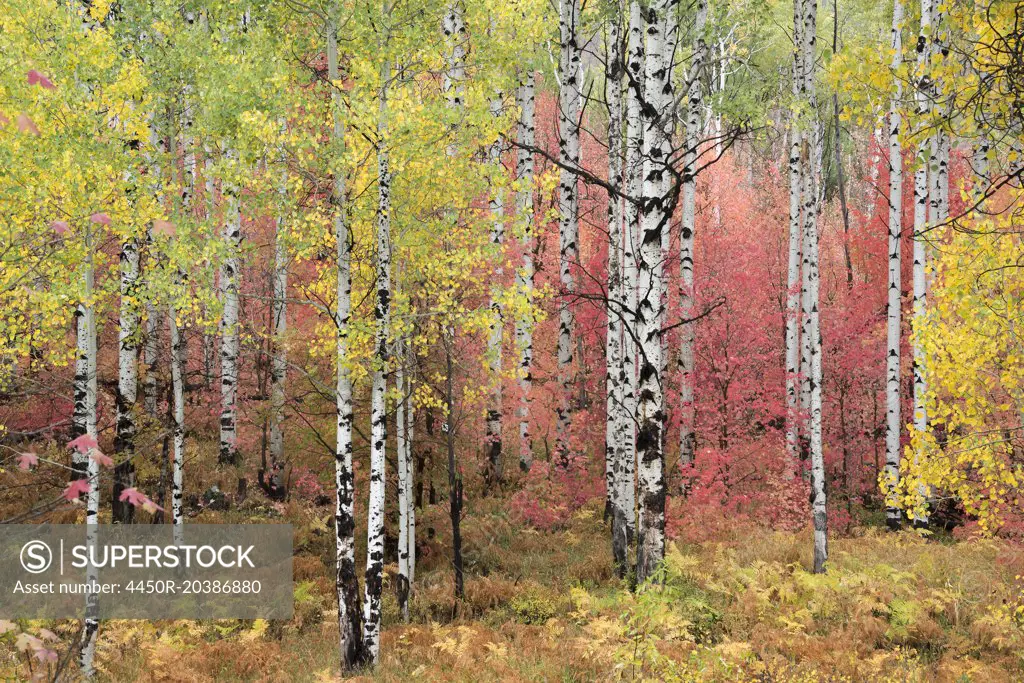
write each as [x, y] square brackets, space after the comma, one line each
[60, 227]
[161, 227]
[36, 78]
[27, 461]
[27, 125]
[83, 444]
[135, 497]
[76, 489]
[101, 459]
[101, 218]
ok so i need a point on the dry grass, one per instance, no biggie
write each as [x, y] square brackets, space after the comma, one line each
[545, 607]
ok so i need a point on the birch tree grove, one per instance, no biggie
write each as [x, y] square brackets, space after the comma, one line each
[432, 241]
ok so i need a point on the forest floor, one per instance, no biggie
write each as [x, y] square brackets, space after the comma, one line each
[545, 606]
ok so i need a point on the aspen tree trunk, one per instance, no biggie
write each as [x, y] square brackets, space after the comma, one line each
[150, 356]
[495, 463]
[79, 416]
[378, 409]
[87, 653]
[893, 424]
[569, 74]
[796, 405]
[279, 359]
[453, 86]
[613, 305]
[626, 480]
[921, 210]
[812, 329]
[404, 482]
[655, 216]
[178, 401]
[350, 623]
[410, 429]
[127, 381]
[524, 276]
[229, 341]
[687, 436]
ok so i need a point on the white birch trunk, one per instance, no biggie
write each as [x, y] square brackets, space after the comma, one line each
[79, 416]
[88, 646]
[178, 400]
[229, 340]
[634, 173]
[893, 425]
[525, 274]
[687, 436]
[921, 215]
[346, 582]
[279, 359]
[495, 462]
[660, 29]
[569, 85]
[378, 409]
[794, 289]
[127, 380]
[404, 481]
[614, 416]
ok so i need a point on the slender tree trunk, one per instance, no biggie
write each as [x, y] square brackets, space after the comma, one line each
[87, 653]
[404, 482]
[524, 276]
[453, 86]
[687, 436]
[797, 352]
[378, 408]
[812, 145]
[229, 340]
[569, 92]
[350, 623]
[278, 362]
[127, 381]
[410, 427]
[893, 423]
[660, 30]
[454, 476]
[613, 306]
[626, 479]
[920, 255]
[178, 402]
[495, 462]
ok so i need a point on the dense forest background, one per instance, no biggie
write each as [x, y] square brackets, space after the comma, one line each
[641, 340]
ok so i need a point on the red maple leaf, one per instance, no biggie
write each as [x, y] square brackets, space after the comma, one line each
[101, 218]
[27, 125]
[36, 78]
[76, 489]
[83, 444]
[60, 227]
[27, 461]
